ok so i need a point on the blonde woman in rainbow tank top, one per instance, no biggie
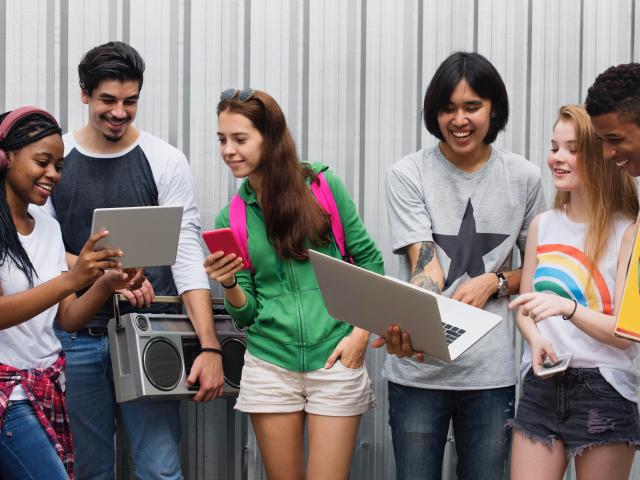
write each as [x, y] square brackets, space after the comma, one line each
[574, 266]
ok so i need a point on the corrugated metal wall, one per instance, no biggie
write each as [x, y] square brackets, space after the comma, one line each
[350, 75]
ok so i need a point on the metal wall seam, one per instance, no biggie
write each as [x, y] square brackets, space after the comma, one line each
[186, 84]
[632, 37]
[3, 55]
[420, 87]
[363, 107]
[173, 94]
[51, 66]
[527, 145]
[303, 148]
[63, 114]
[126, 21]
[581, 48]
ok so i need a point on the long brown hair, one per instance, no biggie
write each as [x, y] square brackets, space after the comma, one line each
[607, 189]
[291, 214]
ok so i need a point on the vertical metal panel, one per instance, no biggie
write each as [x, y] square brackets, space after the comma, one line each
[607, 33]
[151, 37]
[448, 27]
[502, 37]
[635, 39]
[217, 63]
[87, 26]
[185, 138]
[3, 55]
[26, 54]
[555, 60]
[350, 77]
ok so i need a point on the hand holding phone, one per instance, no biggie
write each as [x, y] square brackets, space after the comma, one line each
[549, 368]
[221, 239]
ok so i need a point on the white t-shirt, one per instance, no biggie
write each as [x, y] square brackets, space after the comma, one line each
[563, 269]
[32, 344]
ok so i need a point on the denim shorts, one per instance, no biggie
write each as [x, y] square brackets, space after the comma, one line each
[578, 407]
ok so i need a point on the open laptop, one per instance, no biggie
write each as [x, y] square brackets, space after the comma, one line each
[147, 236]
[440, 327]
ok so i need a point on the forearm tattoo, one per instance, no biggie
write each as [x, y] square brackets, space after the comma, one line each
[418, 277]
[425, 281]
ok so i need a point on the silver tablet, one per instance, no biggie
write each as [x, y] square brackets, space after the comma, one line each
[147, 236]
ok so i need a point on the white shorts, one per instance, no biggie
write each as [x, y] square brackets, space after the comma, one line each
[338, 391]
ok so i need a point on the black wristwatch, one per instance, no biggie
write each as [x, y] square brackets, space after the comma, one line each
[503, 286]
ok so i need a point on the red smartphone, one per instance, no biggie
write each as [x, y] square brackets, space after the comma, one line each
[221, 239]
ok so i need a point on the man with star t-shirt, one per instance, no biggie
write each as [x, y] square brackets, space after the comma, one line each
[456, 212]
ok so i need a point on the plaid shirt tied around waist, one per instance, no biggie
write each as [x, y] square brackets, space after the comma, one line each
[43, 389]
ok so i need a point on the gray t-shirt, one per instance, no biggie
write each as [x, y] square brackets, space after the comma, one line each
[475, 220]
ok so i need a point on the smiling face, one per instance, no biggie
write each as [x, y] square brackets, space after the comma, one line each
[240, 145]
[33, 171]
[465, 122]
[113, 105]
[620, 141]
[563, 159]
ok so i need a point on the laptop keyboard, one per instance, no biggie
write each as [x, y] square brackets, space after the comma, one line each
[452, 333]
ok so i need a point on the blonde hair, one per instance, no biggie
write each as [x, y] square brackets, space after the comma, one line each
[608, 190]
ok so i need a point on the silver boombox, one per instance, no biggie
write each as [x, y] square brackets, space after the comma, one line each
[152, 354]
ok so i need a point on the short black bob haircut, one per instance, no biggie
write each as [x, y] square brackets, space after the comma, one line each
[110, 61]
[481, 76]
[616, 90]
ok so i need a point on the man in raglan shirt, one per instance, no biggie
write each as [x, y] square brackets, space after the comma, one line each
[110, 163]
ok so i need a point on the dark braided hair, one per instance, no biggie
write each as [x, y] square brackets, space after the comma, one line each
[25, 131]
[616, 90]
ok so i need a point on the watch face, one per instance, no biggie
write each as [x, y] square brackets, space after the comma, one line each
[503, 287]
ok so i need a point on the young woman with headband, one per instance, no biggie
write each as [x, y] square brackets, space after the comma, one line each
[35, 291]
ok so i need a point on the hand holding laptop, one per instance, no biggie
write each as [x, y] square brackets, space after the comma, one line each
[398, 343]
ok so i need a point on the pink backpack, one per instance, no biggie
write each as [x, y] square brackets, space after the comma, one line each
[324, 197]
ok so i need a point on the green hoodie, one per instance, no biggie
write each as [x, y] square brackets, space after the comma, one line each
[287, 322]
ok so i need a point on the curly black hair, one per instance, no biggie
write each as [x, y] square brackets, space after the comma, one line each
[616, 90]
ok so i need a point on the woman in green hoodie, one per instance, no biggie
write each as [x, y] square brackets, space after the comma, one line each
[301, 364]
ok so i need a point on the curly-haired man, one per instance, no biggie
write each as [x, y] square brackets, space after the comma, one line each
[613, 102]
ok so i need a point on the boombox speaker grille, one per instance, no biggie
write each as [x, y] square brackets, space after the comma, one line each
[233, 360]
[162, 364]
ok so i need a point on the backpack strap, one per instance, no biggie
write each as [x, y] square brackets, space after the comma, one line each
[323, 194]
[238, 224]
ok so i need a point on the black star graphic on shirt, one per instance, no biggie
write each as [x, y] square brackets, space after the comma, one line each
[467, 248]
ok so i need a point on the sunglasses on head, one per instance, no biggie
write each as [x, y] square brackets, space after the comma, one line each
[243, 95]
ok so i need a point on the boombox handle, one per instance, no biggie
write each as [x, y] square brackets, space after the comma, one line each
[118, 297]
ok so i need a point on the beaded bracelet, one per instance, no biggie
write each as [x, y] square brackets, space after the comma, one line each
[575, 307]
